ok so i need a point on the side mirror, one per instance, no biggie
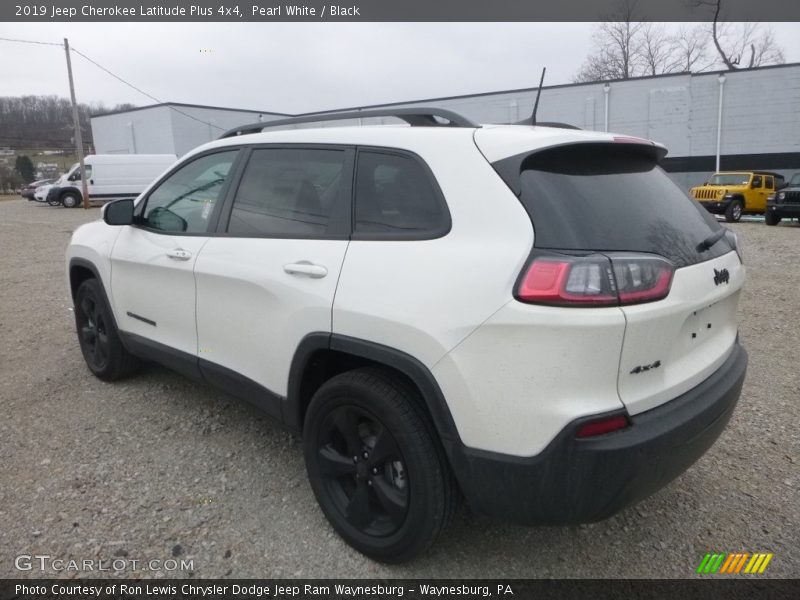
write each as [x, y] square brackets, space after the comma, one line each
[119, 212]
[164, 219]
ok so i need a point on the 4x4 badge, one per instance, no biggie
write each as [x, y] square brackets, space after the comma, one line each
[721, 276]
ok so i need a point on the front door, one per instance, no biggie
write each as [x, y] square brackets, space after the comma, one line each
[152, 262]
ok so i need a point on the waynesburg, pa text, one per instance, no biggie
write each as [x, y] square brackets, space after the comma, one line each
[68, 590]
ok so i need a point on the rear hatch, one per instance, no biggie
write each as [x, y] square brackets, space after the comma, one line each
[612, 199]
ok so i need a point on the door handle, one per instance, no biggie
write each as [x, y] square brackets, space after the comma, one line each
[179, 254]
[307, 268]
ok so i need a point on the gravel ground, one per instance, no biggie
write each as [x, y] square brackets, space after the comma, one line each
[158, 467]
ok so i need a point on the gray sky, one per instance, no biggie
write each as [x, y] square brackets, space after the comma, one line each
[299, 67]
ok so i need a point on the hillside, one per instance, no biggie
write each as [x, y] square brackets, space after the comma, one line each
[44, 122]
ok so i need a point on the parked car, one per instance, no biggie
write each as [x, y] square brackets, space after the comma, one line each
[785, 203]
[109, 177]
[737, 194]
[29, 190]
[535, 318]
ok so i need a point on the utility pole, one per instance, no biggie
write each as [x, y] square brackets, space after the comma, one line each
[76, 119]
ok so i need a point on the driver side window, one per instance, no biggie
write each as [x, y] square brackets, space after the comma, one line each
[183, 202]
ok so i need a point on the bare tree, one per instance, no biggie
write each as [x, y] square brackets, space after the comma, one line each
[734, 42]
[615, 53]
[657, 50]
[624, 47]
[691, 50]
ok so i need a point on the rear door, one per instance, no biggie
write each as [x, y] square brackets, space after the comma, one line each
[269, 276]
[758, 194]
[613, 198]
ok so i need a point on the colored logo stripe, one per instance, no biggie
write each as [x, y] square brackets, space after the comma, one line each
[730, 563]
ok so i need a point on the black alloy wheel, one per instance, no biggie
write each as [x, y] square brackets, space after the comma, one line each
[363, 470]
[99, 340]
[378, 471]
[93, 333]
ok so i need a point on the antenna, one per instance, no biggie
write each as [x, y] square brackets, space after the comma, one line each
[538, 93]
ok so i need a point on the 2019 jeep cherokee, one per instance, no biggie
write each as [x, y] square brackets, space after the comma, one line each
[534, 318]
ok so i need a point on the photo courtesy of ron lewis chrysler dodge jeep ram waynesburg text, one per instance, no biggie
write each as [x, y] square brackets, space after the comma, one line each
[533, 318]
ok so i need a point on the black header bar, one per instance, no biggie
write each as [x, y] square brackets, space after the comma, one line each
[388, 10]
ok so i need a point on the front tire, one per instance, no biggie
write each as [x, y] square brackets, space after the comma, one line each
[54, 201]
[99, 339]
[771, 219]
[377, 472]
[70, 200]
[734, 211]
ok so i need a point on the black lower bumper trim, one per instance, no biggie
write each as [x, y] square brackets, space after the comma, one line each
[716, 208]
[784, 211]
[584, 480]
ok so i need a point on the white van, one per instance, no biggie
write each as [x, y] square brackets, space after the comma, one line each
[109, 177]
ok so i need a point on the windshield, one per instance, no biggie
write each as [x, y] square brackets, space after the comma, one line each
[795, 181]
[609, 197]
[730, 179]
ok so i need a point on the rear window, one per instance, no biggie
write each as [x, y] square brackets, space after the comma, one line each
[612, 198]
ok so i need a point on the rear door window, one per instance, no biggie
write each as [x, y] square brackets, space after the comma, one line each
[609, 197]
[289, 192]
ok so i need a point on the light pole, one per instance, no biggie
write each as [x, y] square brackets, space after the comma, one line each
[721, 80]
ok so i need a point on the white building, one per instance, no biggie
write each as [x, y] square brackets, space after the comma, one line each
[170, 128]
[750, 117]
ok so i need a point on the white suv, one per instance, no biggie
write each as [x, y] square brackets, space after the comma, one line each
[532, 317]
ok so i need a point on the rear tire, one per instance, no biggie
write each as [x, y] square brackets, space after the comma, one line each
[70, 200]
[770, 219]
[734, 211]
[98, 337]
[54, 201]
[376, 470]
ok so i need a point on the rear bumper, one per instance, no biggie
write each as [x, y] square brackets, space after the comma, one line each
[584, 480]
[784, 211]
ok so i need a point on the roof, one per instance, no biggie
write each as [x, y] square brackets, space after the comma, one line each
[756, 172]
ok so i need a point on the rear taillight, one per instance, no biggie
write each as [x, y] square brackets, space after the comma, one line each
[602, 426]
[595, 280]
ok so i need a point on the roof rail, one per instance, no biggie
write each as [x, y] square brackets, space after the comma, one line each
[416, 117]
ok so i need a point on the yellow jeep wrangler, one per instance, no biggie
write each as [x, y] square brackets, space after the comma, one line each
[734, 194]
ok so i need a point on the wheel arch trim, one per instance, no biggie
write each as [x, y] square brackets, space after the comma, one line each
[90, 266]
[390, 357]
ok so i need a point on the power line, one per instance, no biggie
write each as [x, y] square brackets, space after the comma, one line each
[114, 75]
[117, 77]
[4, 39]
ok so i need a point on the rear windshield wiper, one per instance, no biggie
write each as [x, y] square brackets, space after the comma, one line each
[711, 240]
